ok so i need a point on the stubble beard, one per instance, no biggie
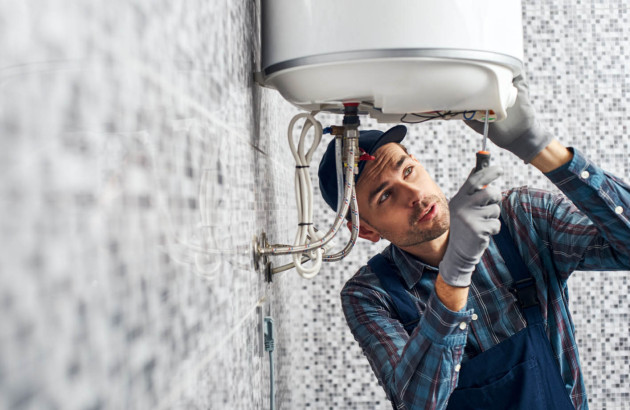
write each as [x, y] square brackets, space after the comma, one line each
[416, 235]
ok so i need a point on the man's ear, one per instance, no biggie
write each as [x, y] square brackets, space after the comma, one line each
[366, 231]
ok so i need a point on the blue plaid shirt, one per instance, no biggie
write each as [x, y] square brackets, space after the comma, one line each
[554, 236]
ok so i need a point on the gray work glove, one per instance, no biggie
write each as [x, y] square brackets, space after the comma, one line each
[519, 133]
[474, 215]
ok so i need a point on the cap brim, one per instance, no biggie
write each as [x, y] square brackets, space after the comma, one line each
[394, 134]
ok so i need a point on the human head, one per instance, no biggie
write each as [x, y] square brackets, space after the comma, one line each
[398, 200]
[369, 141]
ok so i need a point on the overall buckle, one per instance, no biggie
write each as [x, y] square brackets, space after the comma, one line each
[525, 292]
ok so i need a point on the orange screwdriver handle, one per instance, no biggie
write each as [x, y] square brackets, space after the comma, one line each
[483, 160]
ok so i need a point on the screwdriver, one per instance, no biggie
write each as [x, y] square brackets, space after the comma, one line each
[483, 156]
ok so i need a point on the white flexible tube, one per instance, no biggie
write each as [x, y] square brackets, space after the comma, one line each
[309, 243]
[304, 195]
[339, 220]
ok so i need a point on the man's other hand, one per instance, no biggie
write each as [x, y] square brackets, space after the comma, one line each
[519, 133]
[474, 213]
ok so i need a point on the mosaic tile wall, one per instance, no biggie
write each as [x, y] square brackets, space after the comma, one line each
[577, 60]
[137, 161]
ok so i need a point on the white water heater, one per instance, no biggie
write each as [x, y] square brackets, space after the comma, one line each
[402, 60]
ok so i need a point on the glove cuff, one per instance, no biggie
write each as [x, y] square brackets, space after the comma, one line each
[530, 143]
[455, 276]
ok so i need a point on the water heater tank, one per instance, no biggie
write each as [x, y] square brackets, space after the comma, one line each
[400, 59]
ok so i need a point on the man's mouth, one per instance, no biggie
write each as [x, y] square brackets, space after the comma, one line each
[428, 213]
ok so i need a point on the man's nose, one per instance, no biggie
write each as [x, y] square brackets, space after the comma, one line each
[412, 194]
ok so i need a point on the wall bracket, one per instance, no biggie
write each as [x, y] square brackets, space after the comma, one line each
[261, 261]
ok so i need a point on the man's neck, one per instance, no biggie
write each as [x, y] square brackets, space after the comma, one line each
[430, 252]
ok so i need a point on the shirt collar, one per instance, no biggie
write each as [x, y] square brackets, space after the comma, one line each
[409, 267]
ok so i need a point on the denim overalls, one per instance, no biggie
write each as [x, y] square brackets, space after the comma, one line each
[518, 373]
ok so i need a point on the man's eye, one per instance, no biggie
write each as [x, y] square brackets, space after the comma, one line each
[383, 197]
[408, 171]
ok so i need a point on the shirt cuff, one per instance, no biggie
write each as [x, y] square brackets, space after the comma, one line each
[444, 326]
[579, 167]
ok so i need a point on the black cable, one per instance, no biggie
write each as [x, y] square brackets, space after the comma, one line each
[444, 115]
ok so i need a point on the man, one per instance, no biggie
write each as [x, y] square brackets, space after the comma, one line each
[452, 314]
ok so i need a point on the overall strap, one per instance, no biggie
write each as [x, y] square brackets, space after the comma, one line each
[524, 286]
[393, 285]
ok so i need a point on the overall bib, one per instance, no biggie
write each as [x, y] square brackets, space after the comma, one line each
[518, 373]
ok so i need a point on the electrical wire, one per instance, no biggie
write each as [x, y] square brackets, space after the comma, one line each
[272, 390]
[428, 115]
[471, 117]
[434, 115]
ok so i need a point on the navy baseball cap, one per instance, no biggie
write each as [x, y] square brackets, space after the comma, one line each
[369, 141]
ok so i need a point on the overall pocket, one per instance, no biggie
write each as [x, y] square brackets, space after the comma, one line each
[515, 390]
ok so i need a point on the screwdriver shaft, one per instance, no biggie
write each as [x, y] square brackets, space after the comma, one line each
[485, 131]
[483, 156]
